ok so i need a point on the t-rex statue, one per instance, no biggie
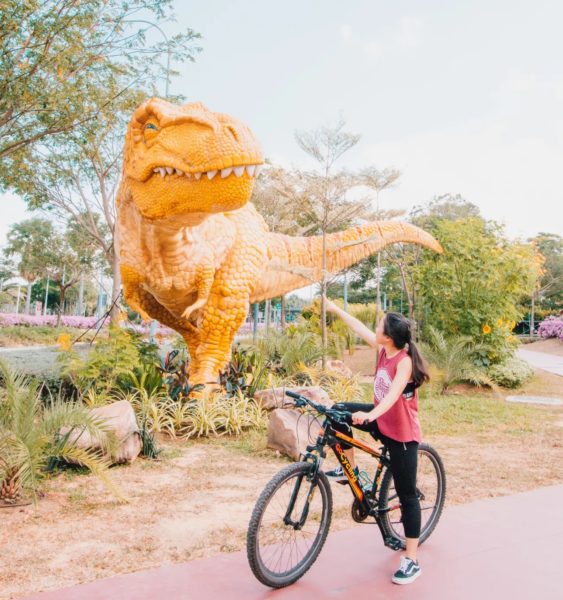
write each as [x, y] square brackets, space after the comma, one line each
[194, 251]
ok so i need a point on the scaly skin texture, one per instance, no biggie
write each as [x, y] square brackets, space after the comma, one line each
[194, 251]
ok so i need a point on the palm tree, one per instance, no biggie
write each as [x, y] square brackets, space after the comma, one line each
[31, 439]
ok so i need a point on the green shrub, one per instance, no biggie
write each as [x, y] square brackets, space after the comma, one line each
[454, 359]
[511, 374]
[30, 439]
[108, 364]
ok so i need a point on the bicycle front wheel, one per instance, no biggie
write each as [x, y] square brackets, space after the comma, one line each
[431, 491]
[289, 525]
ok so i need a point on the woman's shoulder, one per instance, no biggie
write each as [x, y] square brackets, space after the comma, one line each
[403, 358]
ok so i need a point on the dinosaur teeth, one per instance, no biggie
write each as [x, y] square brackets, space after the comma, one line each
[252, 170]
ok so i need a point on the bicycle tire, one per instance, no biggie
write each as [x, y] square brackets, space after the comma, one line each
[390, 525]
[256, 552]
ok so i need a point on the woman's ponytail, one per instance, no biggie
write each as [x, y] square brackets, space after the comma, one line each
[419, 369]
[398, 328]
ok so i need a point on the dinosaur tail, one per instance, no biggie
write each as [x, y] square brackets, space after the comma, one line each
[297, 261]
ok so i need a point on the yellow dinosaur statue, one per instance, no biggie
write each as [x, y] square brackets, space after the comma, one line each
[194, 251]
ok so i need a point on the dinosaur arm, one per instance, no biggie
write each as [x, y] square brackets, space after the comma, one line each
[146, 305]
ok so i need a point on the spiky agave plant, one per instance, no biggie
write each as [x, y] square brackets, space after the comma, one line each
[30, 438]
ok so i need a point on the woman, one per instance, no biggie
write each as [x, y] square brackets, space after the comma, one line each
[393, 419]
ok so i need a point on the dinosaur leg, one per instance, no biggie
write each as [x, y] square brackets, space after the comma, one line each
[222, 316]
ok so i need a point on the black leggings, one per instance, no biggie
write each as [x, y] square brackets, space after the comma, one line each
[403, 456]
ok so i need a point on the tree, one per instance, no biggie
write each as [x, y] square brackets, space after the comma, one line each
[379, 180]
[550, 287]
[30, 241]
[477, 286]
[62, 61]
[75, 174]
[328, 207]
[44, 252]
[281, 208]
[7, 270]
[404, 259]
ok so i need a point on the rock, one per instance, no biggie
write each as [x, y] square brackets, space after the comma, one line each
[336, 366]
[120, 418]
[290, 431]
[276, 398]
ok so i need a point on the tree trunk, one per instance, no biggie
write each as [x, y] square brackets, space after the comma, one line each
[28, 298]
[266, 318]
[323, 305]
[378, 292]
[61, 304]
[533, 314]
[116, 287]
[80, 307]
[282, 316]
[410, 297]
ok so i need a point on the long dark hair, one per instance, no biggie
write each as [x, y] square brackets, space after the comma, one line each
[398, 328]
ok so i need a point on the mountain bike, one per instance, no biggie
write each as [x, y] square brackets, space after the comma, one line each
[291, 518]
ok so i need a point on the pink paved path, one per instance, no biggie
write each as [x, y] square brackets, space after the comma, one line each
[503, 548]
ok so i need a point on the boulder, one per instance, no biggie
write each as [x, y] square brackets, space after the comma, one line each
[276, 398]
[336, 366]
[290, 431]
[120, 418]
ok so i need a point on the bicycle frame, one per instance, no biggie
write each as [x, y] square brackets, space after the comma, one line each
[328, 436]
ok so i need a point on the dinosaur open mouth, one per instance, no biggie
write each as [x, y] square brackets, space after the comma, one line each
[236, 170]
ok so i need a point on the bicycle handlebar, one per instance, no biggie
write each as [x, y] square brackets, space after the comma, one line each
[339, 416]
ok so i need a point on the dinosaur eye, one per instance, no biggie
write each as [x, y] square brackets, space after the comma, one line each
[151, 126]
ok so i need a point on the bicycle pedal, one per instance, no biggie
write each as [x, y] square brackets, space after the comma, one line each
[393, 543]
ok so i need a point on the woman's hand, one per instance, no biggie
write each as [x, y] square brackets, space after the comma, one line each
[358, 418]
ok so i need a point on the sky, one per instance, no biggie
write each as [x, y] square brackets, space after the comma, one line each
[462, 97]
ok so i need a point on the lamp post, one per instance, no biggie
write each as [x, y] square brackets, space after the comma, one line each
[167, 50]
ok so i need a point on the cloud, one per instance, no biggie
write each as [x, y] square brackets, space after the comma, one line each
[373, 49]
[345, 32]
[512, 181]
[410, 27]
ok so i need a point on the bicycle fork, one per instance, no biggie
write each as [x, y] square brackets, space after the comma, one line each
[297, 525]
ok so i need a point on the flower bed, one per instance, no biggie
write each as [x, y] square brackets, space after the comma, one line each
[551, 327]
[13, 319]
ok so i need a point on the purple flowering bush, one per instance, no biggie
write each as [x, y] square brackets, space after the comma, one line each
[13, 319]
[551, 327]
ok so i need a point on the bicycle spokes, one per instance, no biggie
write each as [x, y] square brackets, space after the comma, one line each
[290, 525]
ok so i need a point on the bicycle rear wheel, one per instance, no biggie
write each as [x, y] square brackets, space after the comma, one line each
[289, 525]
[431, 488]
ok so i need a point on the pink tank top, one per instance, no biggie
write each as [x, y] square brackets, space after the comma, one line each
[400, 422]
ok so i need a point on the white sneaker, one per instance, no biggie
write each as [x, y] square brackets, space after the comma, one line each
[408, 571]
